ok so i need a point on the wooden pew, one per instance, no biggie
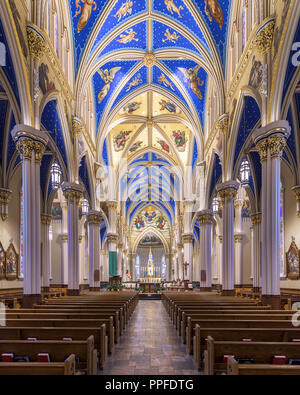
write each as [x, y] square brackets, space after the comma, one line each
[261, 352]
[36, 368]
[222, 323]
[63, 314]
[123, 318]
[234, 368]
[63, 323]
[238, 334]
[183, 314]
[23, 333]
[83, 349]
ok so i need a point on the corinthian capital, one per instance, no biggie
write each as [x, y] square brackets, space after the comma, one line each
[223, 124]
[77, 127]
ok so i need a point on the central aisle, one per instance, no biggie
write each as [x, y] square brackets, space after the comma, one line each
[150, 346]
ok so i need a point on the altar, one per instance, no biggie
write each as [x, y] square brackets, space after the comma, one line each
[150, 282]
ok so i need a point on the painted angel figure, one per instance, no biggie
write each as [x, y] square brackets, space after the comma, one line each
[85, 11]
[193, 80]
[108, 77]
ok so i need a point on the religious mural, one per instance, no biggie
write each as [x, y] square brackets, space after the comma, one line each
[170, 107]
[136, 81]
[150, 214]
[136, 146]
[180, 140]
[85, 12]
[120, 140]
[164, 81]
[125, 9]
[107, 77]
[12, 263]
[255, 78]
[173, 37]
[128, 37]
[130, 108]
[214, 11]
[193, 80]
[139, 223]
[173, 8]
[45, 84]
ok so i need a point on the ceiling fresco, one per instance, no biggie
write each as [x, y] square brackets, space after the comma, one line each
[149, 63]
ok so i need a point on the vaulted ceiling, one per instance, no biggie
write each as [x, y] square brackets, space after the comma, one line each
[148, 64]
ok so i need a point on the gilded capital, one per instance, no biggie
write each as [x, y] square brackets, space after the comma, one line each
[77, 127]
[36, 43]
[187, 238]
[264, 39]
[94, 218]
[256, 219]
[46, 219]
[5, 196]
[296, 191]
[238, 238]
[223, 124]
[111, 238]
[25, 147]
[112, 206]
[72, 192]
[277, 144]
[262, 148]
[205, 217]
[239, 203]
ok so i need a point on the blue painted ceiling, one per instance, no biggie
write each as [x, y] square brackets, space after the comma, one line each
[104, 28]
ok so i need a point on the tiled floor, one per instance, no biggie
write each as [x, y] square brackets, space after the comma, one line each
[150, 345]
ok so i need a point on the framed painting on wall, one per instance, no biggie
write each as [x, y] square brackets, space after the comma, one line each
[292, 262]
[2, 262]
[12, 263]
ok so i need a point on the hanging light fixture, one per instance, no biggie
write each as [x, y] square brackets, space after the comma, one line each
[245, 172]
[215, 206]
[85, 207]
[55, 174]
[55, 171]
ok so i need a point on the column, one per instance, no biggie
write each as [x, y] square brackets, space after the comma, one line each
[112, 240]
[220, 259]
[270, 142]
[188, 256]
[46, 254]
[120, 262]
[94, 220]
[238, 243]
[64, 244]
[227, 192]
[133, 274]
[73, 194]
[31, 145]
[256, 251]
[206, 220]
[169, 267]
[175, 259]
[180, 261]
